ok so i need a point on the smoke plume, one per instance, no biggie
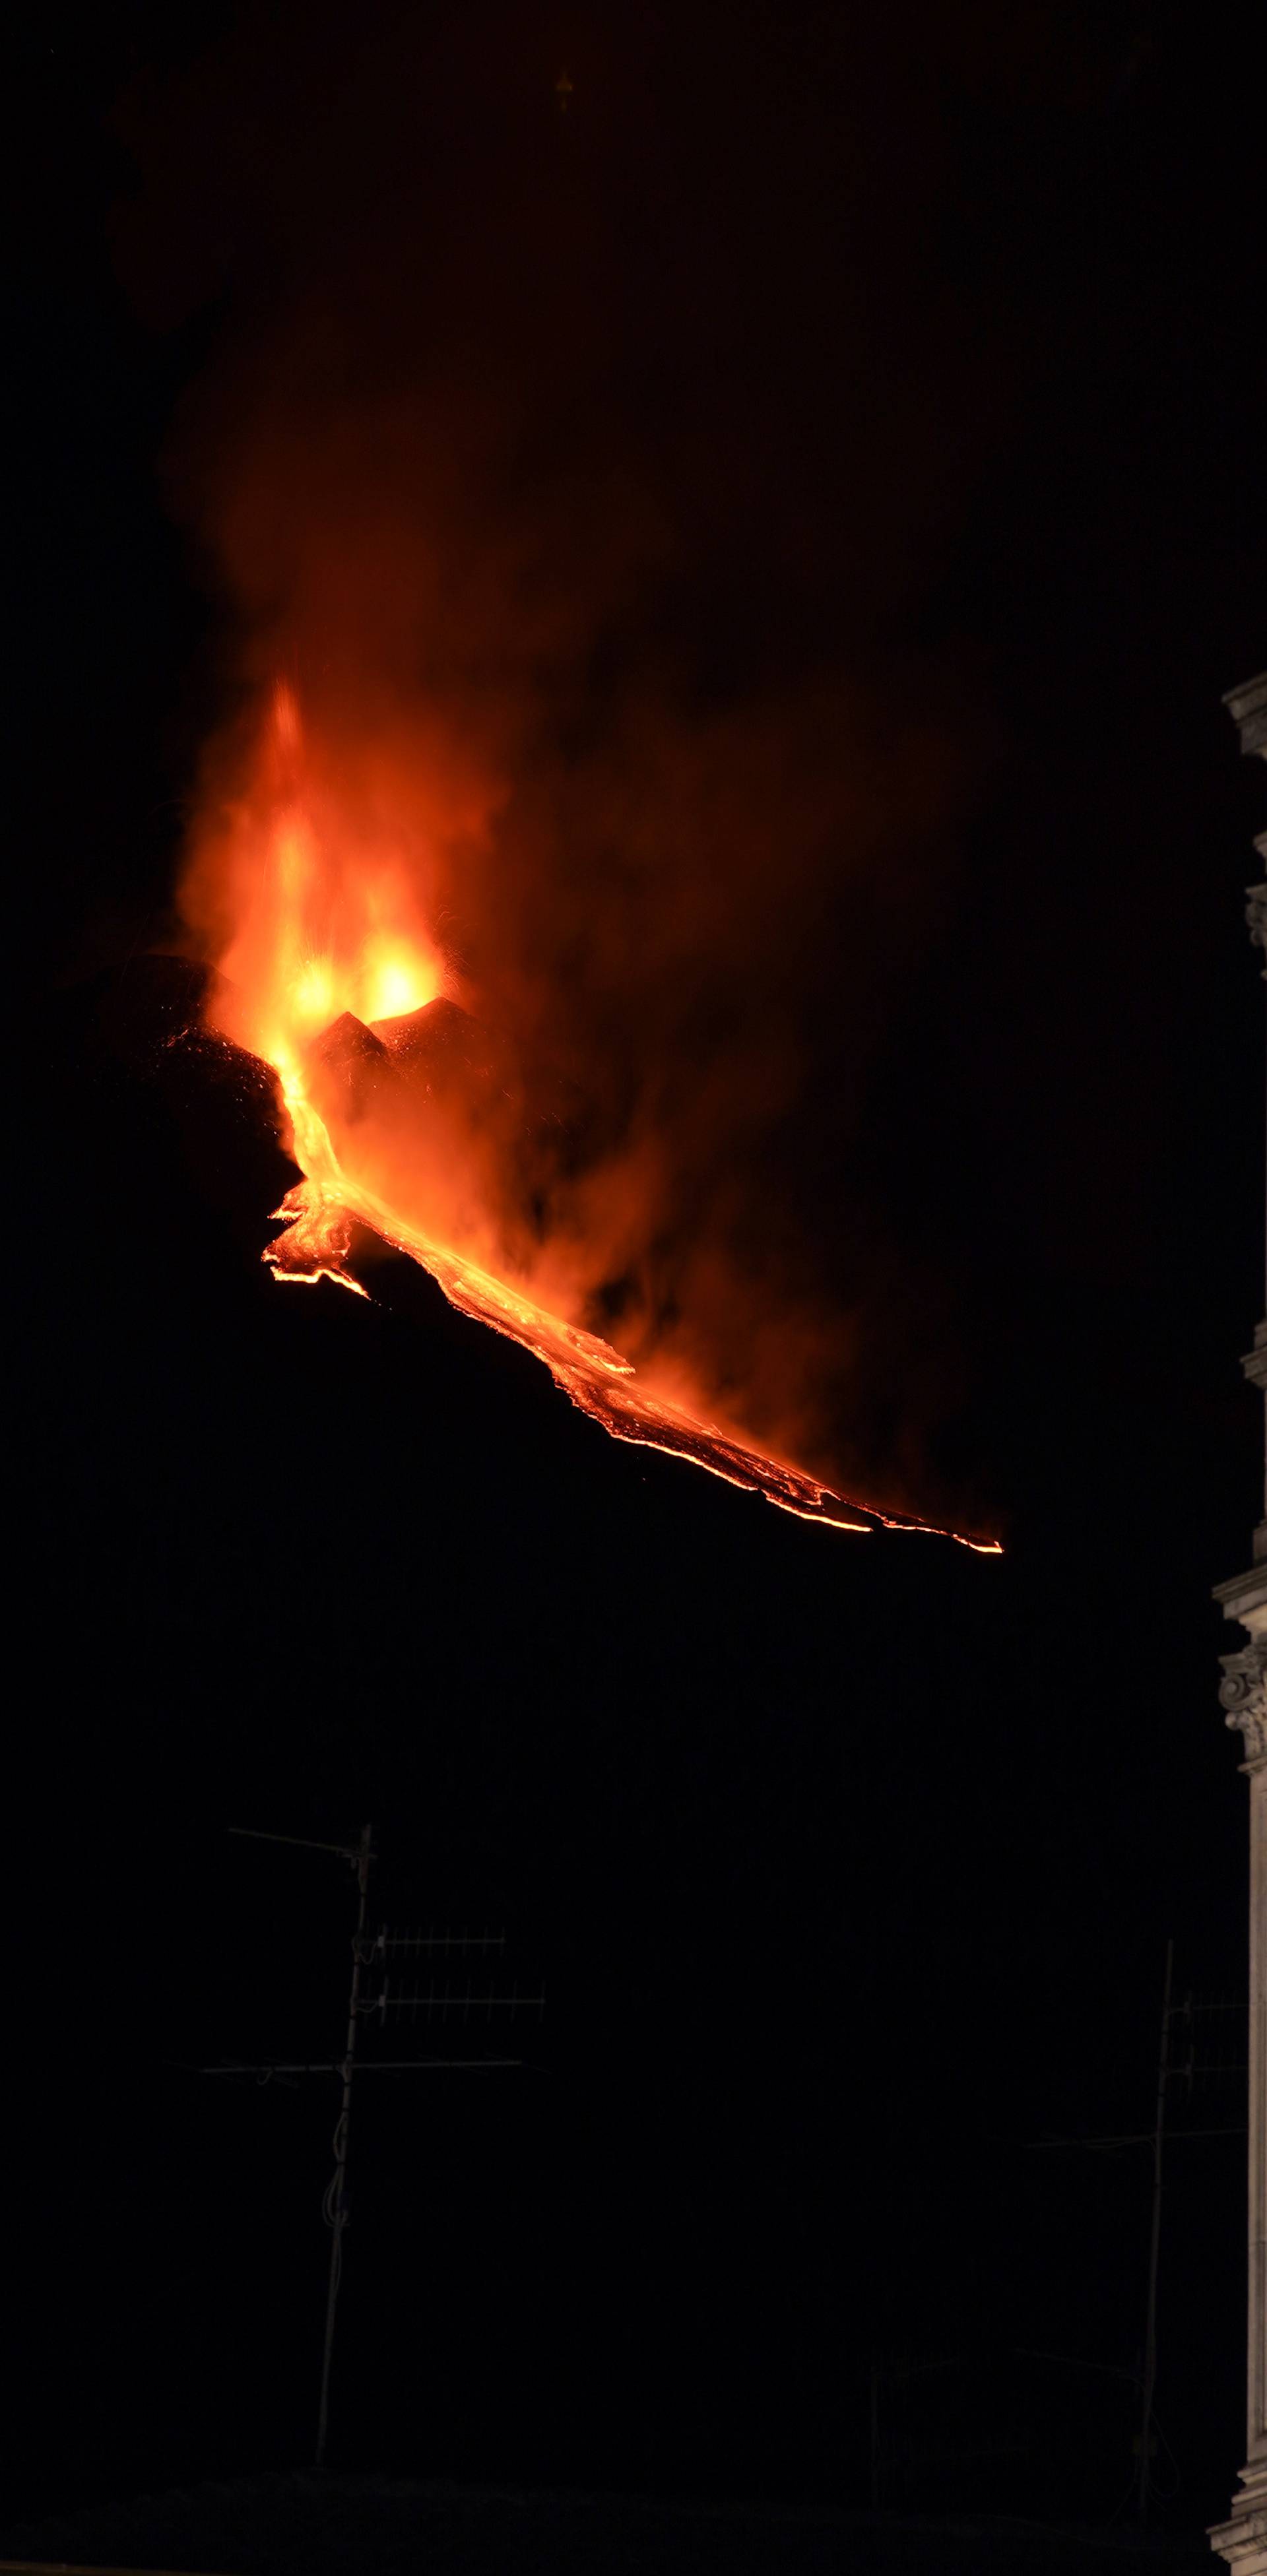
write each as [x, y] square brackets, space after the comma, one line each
[581, 457]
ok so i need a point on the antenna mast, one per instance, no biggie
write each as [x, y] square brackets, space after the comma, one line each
[336, 2201]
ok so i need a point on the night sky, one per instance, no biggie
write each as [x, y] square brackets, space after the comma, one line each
[882, 391]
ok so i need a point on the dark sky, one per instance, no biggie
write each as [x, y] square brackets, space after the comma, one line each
[869, 406]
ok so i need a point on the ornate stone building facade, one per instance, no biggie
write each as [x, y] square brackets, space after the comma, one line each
[1242, 2541]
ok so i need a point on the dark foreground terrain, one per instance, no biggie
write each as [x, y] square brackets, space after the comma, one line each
[368, 2527]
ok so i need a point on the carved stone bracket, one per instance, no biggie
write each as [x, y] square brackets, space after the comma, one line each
[1243, 1693]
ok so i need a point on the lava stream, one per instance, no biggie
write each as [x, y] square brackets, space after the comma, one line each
[316, 1243]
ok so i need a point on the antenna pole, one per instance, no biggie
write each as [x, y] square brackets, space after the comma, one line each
[371, 1952]
[1150, 2331]
[336, 2197]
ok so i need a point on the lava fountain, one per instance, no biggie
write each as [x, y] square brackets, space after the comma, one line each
[397, 1105]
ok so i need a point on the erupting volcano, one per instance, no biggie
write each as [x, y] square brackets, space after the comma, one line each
[407, 1117]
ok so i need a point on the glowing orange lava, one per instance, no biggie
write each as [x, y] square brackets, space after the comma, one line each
[312, 938]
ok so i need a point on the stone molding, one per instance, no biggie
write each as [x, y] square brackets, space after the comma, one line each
[1247, 706]
[1245, 1598]
[1242, 2539]
[1242, 2544]
[1256, 915]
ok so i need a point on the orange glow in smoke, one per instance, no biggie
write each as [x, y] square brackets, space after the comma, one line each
[326, 960]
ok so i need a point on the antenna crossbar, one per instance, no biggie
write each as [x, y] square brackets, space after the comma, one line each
[338, 2066]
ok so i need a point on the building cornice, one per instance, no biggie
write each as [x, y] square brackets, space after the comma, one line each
[1247, 706]
[1243, 1592]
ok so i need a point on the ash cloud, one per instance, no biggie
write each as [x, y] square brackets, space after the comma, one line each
[589, 471]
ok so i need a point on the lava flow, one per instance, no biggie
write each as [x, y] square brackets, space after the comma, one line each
[329, 974]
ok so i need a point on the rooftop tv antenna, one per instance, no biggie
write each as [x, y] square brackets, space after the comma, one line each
[371, 1952]
[1184, 2026]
